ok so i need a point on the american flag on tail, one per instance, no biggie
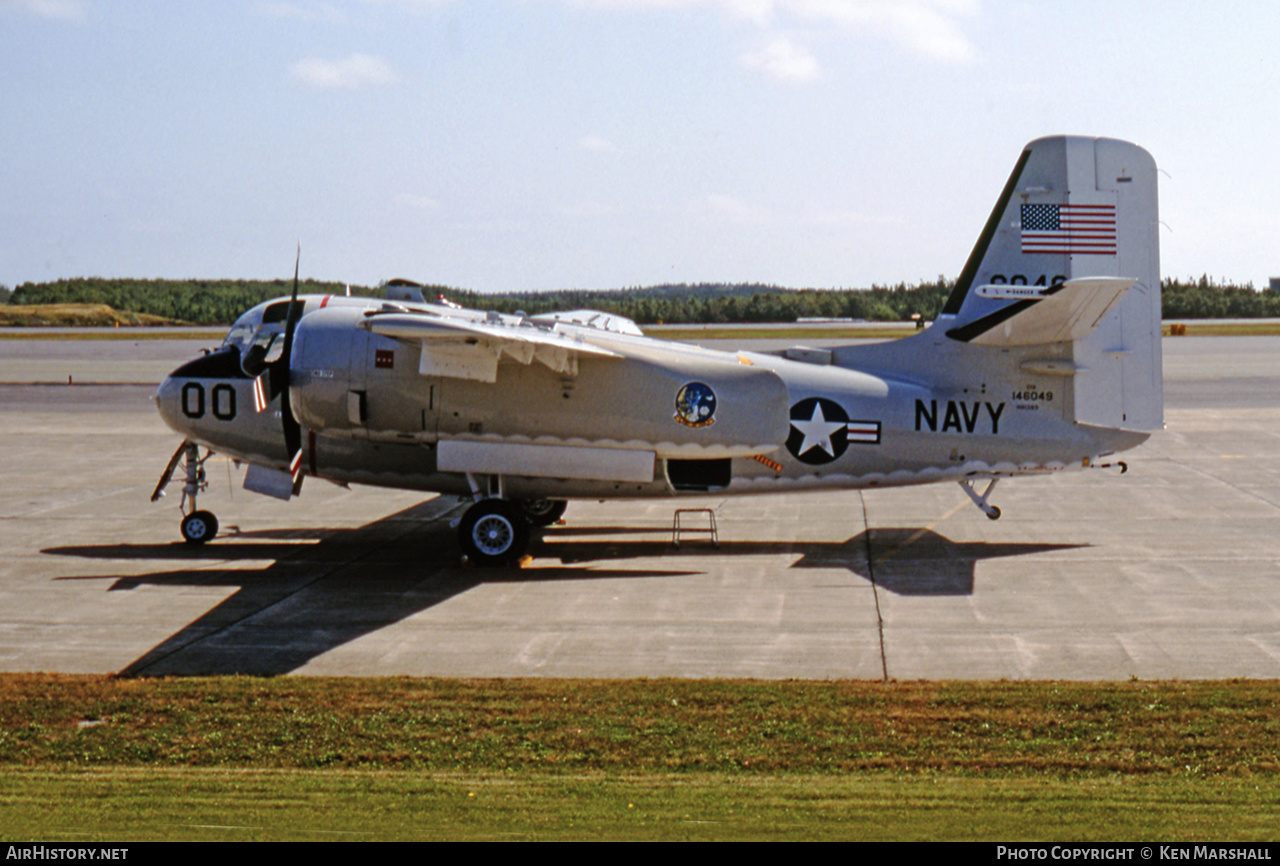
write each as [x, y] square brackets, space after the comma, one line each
[1083, 229]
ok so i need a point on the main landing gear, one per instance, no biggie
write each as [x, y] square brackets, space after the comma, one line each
[197, 526]
[542, 512]
[495, 532]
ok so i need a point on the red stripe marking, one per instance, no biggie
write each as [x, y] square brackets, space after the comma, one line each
[1075, 235]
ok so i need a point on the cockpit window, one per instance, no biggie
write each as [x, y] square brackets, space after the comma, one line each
[259, 336]
[240, 335]
[242, 332]
[274, 345]
[267, 348]
[277, 312]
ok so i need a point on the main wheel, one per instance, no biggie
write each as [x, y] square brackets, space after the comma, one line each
[494, 532]
[542, 512]
[198, 527]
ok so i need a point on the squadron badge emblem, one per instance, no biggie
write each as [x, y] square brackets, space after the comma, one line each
[696, 405]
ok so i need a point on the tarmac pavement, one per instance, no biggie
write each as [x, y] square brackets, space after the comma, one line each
[1169, 571]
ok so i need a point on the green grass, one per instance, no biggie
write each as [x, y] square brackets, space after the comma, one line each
[238, 804]
[1211, 328]
[289, 758]
[1201, 328]
[779, 332]
[74, 315]
[132, 336]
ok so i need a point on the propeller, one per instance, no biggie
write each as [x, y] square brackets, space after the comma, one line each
[274, 380]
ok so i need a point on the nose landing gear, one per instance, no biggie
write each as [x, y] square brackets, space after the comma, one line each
[197, 526]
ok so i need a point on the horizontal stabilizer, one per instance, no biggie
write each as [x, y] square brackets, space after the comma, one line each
[1063, 313]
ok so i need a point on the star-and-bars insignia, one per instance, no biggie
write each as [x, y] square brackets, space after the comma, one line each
[821, 431]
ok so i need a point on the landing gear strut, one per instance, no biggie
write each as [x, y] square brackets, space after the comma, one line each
[197, 526]
[981, 501]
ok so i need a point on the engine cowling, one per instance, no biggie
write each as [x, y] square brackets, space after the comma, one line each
[327, 369]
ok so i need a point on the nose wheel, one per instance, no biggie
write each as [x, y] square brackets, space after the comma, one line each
[494, 532]
[198, 527]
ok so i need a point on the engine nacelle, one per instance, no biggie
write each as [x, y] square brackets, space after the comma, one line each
[328, 353]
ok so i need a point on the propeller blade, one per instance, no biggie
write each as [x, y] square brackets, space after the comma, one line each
[292, 430]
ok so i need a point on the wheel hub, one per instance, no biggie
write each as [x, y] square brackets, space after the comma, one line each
[493, 534]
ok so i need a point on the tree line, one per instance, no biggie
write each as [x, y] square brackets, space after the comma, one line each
[219, 302]
[715, 303]
[214, 302]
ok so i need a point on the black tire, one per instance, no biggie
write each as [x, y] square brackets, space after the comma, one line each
[542, 512]
[494, 532]
[198, 527]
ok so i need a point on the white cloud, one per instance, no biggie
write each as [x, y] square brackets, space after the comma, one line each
[734, 209]
[597, 144]
[420, 202]
[153, 227]
[56, 10]
[325, 12]
[590, 209]
[931, 28]
[408, 4]
[348, 74]
[753, 10]
[784, 60]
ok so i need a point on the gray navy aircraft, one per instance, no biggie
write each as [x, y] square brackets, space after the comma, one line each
[1045, 357]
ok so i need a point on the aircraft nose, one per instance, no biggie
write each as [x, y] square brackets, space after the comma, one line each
[183, 398]
[168, 399]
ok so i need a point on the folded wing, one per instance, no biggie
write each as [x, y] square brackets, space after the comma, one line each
[470, 349]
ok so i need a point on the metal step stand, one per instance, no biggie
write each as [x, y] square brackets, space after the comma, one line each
[677, 529]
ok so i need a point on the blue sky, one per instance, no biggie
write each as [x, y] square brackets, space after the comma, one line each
[506, 145]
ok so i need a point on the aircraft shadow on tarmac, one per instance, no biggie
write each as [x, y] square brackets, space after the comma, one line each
[905, 561]
[315, 597]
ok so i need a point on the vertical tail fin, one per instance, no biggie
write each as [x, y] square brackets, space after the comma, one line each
[1073, 209]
